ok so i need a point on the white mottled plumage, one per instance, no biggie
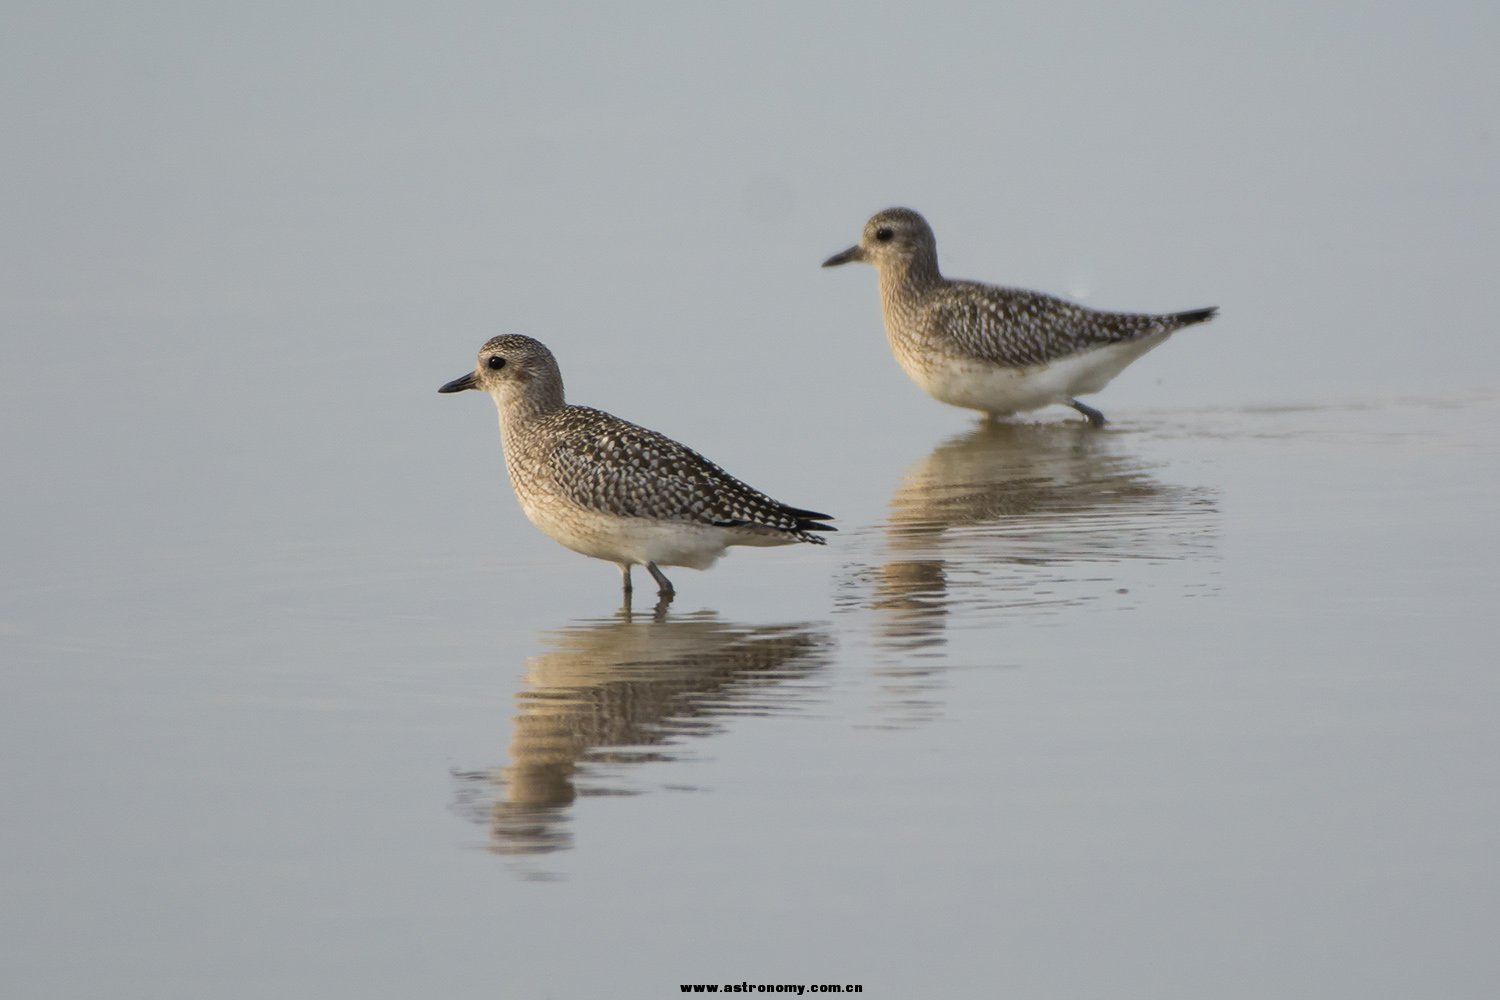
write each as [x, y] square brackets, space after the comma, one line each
[999, 350]
[613, 490]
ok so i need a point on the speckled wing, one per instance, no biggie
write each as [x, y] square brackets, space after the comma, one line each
[610, 465]
[1018, 329]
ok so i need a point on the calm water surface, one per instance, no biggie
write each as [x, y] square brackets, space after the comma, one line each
[1199, 699]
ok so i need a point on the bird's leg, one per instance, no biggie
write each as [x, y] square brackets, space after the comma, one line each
[1093, 416]
[661, 580]
[625, 579]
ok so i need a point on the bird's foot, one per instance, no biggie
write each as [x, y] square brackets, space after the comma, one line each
[1093, 416]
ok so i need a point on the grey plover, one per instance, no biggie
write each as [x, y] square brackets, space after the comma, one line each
[613, 490]
[999, 350]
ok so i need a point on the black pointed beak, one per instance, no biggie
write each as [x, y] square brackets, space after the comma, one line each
[469, 381]
[844, 257]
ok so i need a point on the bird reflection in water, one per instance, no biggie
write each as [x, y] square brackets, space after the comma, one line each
[1024, 518]
[608, 696]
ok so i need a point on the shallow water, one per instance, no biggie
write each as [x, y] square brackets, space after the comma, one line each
[1204, 697]
[606, 696]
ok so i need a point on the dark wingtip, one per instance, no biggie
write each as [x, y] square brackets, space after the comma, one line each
[807, 520]
[810, 515]
[1195, 316]
[807, 524]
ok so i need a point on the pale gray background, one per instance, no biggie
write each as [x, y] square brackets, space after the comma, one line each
[265, 592]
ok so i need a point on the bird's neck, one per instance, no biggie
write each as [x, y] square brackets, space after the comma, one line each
[536, 401]
[909, 273]
[904, 282]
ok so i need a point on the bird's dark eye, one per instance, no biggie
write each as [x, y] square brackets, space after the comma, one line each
[884, 234]
[496, 362]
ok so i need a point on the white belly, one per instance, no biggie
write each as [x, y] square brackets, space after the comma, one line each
[977, 385]
[636, 540]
